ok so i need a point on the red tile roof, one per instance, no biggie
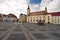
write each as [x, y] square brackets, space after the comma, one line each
[12, 15]
[37, 13]
[55, 13]
[5, 15]
[1, 16]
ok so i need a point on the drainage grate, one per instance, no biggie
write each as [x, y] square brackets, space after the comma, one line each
[16, 37]
[40, 36]
[56, 34]
[3, 29]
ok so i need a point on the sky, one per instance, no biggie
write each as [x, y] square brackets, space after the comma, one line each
[35, 1]
[20, 6]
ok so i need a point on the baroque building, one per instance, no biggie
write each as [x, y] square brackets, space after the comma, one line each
[55, 17]
[35, 17]
[8, 18]
[22, 18]
[40, 16]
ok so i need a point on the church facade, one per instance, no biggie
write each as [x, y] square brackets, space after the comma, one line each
[35, 17]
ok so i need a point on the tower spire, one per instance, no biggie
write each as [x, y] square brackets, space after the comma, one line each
[28, 10]
[46, 9]
[28, 7]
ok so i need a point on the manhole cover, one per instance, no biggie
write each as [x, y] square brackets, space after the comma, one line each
[16, 37]
[56, 34]
[3, 29]
[40, 36]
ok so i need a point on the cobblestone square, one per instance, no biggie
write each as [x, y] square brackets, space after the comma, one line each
[29, 31]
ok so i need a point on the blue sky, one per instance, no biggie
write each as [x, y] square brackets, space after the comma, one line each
[35, 1]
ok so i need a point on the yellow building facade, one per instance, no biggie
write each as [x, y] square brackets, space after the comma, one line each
[22, 18]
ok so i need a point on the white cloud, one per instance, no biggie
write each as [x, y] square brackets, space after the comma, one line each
[19, 6]
[52, 6]
[44, 3]
[41, 6]
[34, 7]
[1, 1]
[14, 6]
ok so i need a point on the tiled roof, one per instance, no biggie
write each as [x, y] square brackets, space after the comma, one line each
[1, 16]
[55, 13]
[5, 15]
[37, 13]
[12, 15]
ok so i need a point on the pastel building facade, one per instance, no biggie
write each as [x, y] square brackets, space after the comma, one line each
[55, 17]
[22, 18]
[8, 18]
[35, 17]
[44, 16]
[12, 17]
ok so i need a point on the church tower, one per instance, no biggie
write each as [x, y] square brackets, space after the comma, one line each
[46, 9]
[28, 10]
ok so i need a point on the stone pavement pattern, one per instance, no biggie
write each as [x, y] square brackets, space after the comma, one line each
[28, 31]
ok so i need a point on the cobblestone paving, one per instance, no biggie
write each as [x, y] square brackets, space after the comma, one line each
[29, 31]
[16, 37]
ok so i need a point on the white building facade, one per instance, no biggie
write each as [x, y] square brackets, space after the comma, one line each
[9, 18]
[35, 17]
[6, 18]
[56, 18]
[12, 17]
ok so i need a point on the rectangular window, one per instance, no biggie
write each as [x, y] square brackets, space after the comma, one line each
[40, 17]
[37, 20]
[33, 20]
[55, 19]
[58, 19]
[48, 18]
